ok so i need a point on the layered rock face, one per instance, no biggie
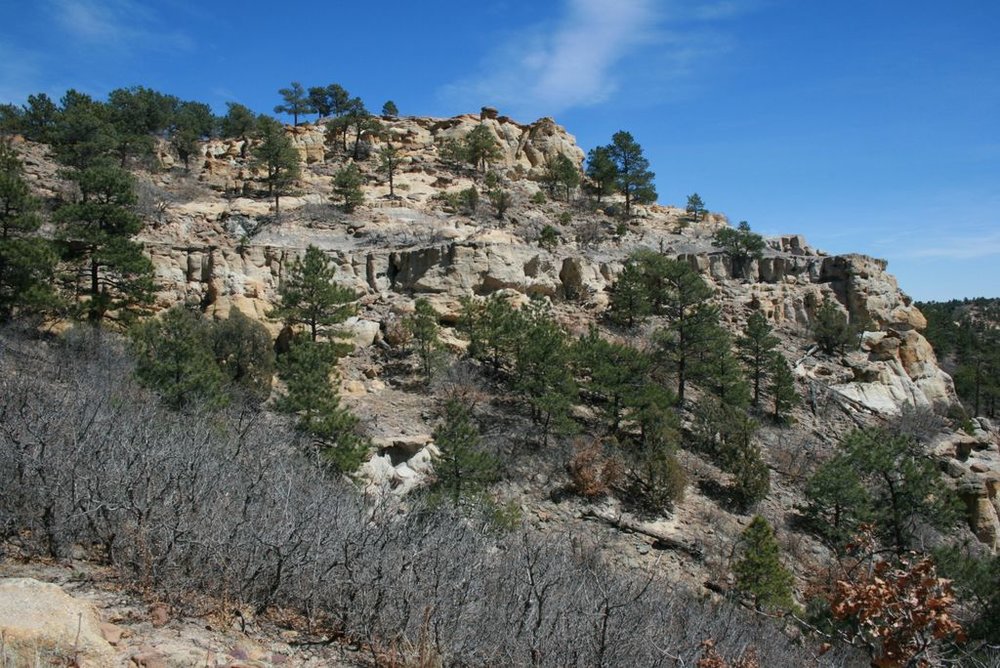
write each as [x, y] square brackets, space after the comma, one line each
[215, 246]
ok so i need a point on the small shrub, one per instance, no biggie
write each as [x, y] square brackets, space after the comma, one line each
[592, 473]
[538, 198]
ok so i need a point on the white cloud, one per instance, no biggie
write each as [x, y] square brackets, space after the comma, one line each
[550, 69]
[642, 51]
[117, 24]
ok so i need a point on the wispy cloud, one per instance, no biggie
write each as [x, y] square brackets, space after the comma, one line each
[570, 64]
[117, 24]
[596, 50]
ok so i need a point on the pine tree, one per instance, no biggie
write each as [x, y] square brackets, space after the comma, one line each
[296, 103]
[614, 374]
[695, 207]
[759, 571]
[277, 158]
[902, 487]
[136, 116]
[243, 350]
[310, 297]
[560, 172]
[741, 245]
[633, 178]
[388, 162]
[192, 123]
[463, 469]
[542, 369]
[830, 328]
[390, 109]
[306, 370]
[692, 323]
[757, 346]
[601, 171]
[113, 276]
[83, 137]
[481, 147]
[782, 387]
[347, 187]
[27, 262]
[629, 296]
[173, 356]
[837, 502]
[239, 123]
[721, 370]
[423, 328]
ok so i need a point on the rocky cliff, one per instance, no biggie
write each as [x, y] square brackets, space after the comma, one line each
[214, 245]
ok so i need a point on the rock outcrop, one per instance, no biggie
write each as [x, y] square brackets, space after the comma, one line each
[43, 625]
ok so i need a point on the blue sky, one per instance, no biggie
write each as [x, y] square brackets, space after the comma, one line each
[868, 127]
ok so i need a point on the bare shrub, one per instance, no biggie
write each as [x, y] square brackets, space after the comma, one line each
[225, 505]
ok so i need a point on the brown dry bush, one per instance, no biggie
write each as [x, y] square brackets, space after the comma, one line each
[593, 473]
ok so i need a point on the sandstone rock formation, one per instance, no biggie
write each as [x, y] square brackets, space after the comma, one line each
[43, 625]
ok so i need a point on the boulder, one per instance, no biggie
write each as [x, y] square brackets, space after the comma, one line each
[43, 625]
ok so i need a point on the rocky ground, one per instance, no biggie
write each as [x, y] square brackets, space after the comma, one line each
[75, 613]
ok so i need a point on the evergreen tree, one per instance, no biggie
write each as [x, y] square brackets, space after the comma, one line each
[601, 171]
[173, 356]
[656, 479]
[629, 296]
[695, 207]
[296, 102]
[614, 374]
[726, 433]
[548, 238]
[902, 486]
[560, 172]
[239, 123]
[83, 137]
[11, 121]
[347, 187]
[756, 347]
[481, 148]
[782, 387]
[390, 109]
[741, 245]
[692, 323]
[193, 123]
[113, 276]
[244, 352]
[310, 297]
[759, 571]
[501, 200]
[542, 369]
[830, 328]
[41, 115]
[423, 328]
[136, 115]
[633, 178]
[837, 502]
[306, 369]
[388, 162]
[493, 327]
[463, 469]
[277, 158]
[721, 370]
[27, 262]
